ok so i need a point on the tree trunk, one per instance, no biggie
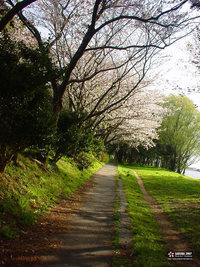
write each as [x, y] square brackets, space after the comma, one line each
[15, 158]
[3, 166]
[172, 163]
[4, 162]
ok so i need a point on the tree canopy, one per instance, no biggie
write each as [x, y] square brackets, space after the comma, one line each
[26, 116]
[180, 132]
[91, 59]
[126, 34]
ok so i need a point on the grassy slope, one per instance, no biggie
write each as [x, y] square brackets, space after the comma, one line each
[147, 240]
[29, 190]
[180, 197]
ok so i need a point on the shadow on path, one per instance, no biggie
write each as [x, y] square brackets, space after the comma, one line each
[88, 241]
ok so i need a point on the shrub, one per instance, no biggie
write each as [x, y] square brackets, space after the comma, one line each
[26, 116]
[8, 232]
[84, 160]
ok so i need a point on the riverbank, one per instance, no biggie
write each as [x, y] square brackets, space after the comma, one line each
[193, 173]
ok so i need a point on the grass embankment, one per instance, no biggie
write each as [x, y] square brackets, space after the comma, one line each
[147, 241]
[29, 190]
[179, 196]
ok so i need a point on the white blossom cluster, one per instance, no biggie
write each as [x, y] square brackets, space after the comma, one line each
[141, 118]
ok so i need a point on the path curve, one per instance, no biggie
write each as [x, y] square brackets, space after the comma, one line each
[88, 241]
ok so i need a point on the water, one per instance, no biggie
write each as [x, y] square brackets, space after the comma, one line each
[192, 173]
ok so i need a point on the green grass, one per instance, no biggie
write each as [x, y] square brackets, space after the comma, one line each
[29, 190]
[148, 243]
[180, 197]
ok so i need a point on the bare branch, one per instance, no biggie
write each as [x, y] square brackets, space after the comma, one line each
[152, 20]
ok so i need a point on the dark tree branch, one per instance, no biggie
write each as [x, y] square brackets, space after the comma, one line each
[14, 11]
[152, 20]
[94, 113]
[88, 36]
[123, 48]
[31, 28]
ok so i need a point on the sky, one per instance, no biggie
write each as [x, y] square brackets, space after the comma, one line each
[177, 71]
[184, 74]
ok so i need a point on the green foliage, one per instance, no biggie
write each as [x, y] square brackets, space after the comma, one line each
[148, 243]
[75, 140]
[26, 116]
[83, 160]
[104, 157]
[8, 232]
[29, 190]
[121, 151]
[179, 136]
[22, 68]
[26, 112]
[179, 133]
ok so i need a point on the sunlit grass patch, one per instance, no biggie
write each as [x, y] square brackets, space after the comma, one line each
[179, 196]
[29, 190]
[147, 240]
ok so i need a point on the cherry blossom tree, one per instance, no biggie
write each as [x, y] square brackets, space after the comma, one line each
[136, 122]
[107, 29]
[193, 47]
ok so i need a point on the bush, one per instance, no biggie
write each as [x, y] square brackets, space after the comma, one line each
[26, 116]
[84, 160]
[74, 137]
[8, 232]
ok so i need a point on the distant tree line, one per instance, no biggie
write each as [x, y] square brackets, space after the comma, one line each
[178, 145]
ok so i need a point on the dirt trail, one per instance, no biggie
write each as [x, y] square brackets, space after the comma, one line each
[174, 239]
[88, 241]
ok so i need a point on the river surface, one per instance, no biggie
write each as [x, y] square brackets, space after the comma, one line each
[192, 173]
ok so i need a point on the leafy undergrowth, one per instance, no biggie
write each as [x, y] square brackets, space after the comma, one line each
[180, 197]
[147, 241]
[29, 190]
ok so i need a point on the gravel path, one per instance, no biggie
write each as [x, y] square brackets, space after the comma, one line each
[89, 239]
